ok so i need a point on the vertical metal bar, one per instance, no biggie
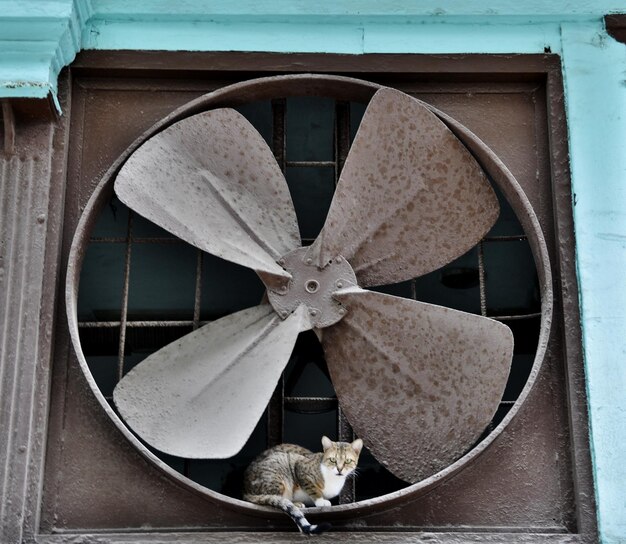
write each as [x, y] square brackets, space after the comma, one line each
[124, 316]
[342, 136]
[346, 434]
[275, 408]
[279, 139]
[8, 120]
[196, 324]
[275, 415]
[198, 295]
[481, 279]
[483, 296]
[342, 146]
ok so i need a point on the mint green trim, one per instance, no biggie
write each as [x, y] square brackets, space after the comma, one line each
[351, 8]
[208, 36]
[466, 38]
[61, 28]
[329, 38]
[593, 67]
[39, 37]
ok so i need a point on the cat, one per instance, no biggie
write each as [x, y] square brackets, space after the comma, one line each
[289, 477]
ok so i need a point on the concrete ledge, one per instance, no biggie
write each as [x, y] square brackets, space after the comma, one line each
[39, 37]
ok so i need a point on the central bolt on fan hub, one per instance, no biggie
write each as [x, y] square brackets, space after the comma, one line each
[312, 286]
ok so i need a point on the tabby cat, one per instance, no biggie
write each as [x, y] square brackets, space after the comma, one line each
[289, 477]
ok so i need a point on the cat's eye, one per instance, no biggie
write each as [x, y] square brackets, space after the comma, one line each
[349, 461]
[333, 460]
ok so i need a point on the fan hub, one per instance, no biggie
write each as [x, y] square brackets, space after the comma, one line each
[312, 286]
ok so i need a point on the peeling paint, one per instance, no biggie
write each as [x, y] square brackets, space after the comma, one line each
[23, 84]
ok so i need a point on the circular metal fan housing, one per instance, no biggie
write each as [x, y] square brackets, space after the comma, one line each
[300, 286]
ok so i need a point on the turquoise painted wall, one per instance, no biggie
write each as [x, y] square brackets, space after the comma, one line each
[39, 37]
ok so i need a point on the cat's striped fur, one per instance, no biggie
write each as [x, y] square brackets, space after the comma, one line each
[289, 477]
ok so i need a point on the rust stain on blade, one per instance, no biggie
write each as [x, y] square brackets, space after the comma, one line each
[211, 180]
[415, 377]
[410, 198]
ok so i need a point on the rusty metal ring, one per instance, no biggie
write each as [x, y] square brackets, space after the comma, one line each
[342, 88]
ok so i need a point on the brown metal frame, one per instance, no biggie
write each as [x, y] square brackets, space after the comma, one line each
[372, 67]
[258, 89]
[32, 192]
[616, 26]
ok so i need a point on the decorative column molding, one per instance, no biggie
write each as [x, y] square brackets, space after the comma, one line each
[32, 180]
[37, 39]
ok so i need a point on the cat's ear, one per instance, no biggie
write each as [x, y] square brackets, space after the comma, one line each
[357, 445]
[326, 442]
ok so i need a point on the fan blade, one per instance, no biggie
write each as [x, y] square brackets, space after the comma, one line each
[410, 197]
[418, 382]
[201, 396]
[211, 180]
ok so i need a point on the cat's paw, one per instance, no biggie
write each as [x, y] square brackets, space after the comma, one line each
[322, 502]
[299, 504]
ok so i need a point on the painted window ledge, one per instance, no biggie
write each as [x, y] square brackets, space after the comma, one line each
[39, 37]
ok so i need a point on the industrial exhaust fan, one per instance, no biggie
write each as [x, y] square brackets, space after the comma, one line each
[409, 376]
[410, 199]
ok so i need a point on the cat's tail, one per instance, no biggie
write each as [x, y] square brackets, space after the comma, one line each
[291, 510]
